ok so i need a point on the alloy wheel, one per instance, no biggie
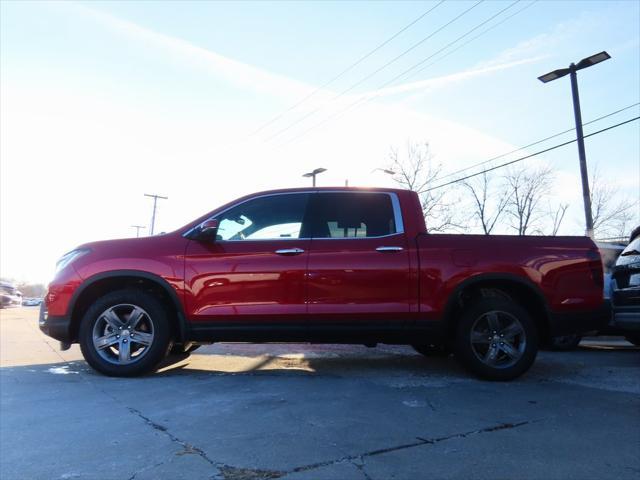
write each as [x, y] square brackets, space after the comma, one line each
[498, 339]
[123, 334]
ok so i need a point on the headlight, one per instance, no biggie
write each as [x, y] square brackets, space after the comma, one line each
[67, 258]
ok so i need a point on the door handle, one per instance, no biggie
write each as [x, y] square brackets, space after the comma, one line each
[290, 251]
[389, 249]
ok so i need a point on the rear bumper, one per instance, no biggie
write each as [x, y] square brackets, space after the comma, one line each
[58, 327]
[580, 323]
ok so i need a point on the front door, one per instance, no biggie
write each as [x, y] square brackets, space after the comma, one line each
[359, 264]
[255, 270]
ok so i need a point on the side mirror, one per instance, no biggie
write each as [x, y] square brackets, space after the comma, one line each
[208, 230]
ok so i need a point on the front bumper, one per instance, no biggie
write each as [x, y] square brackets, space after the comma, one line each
[58, 327]
[626, 309]
[580, 323]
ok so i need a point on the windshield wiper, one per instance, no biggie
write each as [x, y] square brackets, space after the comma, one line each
[630, 252]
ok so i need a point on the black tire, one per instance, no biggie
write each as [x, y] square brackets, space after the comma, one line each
[154, 320]
[503, 366]
[633, 338]
[432, 350]
[565, 343]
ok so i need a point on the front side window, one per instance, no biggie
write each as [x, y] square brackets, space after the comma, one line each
[274, 217]
[351, 215]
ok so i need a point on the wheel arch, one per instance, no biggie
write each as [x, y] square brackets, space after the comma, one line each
[520, 289]
[105, 282]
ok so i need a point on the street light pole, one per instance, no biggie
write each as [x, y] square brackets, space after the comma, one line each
[586, 195]
[572, 71]
[313, 174]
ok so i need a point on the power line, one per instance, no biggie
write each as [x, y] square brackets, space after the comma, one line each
[346, 70]
[449, 44]
[487, 30]
[367, 77]
[529, 156]
[367, 99]
[535, 143]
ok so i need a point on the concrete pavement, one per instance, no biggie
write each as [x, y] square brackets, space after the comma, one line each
[251, 412]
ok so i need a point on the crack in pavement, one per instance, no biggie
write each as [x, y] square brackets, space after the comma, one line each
[360, 467]
[420, 442]
[187, 447]
[135, 474]
[228, 472]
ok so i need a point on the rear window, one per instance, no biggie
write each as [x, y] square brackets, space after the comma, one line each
[351, 215]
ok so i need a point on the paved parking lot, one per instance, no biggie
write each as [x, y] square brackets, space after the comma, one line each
[249, 412]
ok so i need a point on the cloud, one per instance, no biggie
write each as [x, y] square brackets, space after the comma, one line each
[439, 82]
[234, 71]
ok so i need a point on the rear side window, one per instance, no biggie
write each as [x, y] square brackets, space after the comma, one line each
[350, 215]
[274, 217]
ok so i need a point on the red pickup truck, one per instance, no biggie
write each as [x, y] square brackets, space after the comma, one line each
[331, 265]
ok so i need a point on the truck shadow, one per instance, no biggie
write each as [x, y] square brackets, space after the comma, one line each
[388, 363]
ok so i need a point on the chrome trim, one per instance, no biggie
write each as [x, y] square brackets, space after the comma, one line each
[289, 251]
[389, 249]
[397, 212]
[395, 204]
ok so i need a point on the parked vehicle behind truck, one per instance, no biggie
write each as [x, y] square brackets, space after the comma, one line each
[332, 265]
[625, 291]
[10, 296]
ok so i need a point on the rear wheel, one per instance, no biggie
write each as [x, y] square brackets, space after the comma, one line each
[496, 339]
[125, 333]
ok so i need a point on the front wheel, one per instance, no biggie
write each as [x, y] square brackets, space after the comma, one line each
[125, 333]
[496, 339]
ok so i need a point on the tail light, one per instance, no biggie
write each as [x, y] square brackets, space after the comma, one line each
[595, 265]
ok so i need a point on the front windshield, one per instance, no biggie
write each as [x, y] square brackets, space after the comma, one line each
[633, 248]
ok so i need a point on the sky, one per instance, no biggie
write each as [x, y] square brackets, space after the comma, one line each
[101, 102]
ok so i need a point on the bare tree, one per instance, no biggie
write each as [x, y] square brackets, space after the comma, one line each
[611, 214]
[415, 170]
[527, 188]
[488, 206]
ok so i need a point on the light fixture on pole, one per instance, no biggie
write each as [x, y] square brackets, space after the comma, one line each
[572, 72]
[313, 174]
[384, 170]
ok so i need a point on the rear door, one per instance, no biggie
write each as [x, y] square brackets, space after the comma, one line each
[254, 272]
[358, 268]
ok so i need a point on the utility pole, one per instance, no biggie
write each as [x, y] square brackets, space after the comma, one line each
[572, 72]
[138, 228]
[155, 202]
